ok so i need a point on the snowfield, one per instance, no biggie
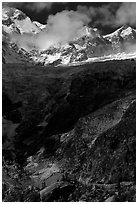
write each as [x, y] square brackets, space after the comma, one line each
[118, 56]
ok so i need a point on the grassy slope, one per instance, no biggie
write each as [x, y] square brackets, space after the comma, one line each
[59, 97]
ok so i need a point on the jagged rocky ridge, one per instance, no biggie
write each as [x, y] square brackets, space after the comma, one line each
[69, 134]
[87, 45]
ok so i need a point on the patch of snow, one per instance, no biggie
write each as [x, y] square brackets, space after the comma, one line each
[7, 29]
[39, 25]
[5, 14]
[26, 26]
[78, 47]
[118, 56]
[52, 58]
[66, 59]
[128, 31]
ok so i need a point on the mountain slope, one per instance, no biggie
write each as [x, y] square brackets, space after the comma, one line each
[122, 37]
[14, 20]
[88, 44]
[71, 132]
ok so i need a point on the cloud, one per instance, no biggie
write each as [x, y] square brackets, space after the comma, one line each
[39, 6]
[126, 14]
[99, 15]
[62, 28]
[112, 14]
[129, 47]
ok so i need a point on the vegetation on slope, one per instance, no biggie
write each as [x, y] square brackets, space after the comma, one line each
[83, 117]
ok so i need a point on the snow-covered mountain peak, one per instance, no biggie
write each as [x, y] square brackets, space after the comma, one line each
[15, 20]
[124, 27]
[125, 30]
[12, 13]
[87, 44]
[128, 31]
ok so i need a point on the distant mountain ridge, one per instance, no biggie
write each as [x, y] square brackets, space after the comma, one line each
[125, 34]
[88, 44]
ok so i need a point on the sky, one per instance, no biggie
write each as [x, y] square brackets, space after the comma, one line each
[106, 16]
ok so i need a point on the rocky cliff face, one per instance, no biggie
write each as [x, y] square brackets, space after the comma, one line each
[69, 134]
